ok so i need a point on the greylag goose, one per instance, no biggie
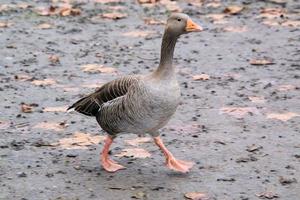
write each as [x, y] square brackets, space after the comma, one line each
[141, 103]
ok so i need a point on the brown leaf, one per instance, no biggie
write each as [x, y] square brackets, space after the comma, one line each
[147, 1]
[253, 148]
[44, 82]
[286, 87]
[53, 59]
[51, 126]
[235, 29]
[257, 99]
[271, 13]
[282, 116]
[4, 124]
[26, 108]
[291, 23]
[95, 68]
[114, 15]
[79, 140]
[134, 152]
[67, 11]
[217, 18]
[261, 62]
[5, 24]
[233, 10]
[138, 33]
[46, 11]
[151, 21]
[239, 112]
[196, 196]
[213, 4]
[267, 195]
[55, 109]
[22, 77]
[202, 77]
[171, 5]
[44, 26]
[138, 141]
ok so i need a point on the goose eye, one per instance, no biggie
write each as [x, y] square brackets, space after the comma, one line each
[179, 19]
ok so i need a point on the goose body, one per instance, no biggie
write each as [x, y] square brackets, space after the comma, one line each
[141, 104]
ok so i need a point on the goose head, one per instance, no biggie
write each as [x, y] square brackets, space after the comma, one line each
[179, 23]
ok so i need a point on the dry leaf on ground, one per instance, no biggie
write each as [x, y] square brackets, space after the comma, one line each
[26, 108]
[213, 4]
[261, 62]
[44, 82]
[114, 15]
[138, 33]
[44, 26]
[4, 124]
[22, 77]
[282, 116]
[79, 141]
[202, 77]
[107, 1]
[54, 59]
[55, 109]
[138, 141]
[267, 195]
[237, 29]
[5, 24]
[257, 99]
[233, 10]
[286, 87]
[95, 68]
[217, 18]
[67, 11]
[171, 5]
[196, 196]
[147, 1]
[239, 112]
[271, 13]
[134, 152]
[291, 23]
[55, 126]
[151, 21]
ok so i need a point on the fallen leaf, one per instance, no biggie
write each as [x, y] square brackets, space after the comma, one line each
[134, 153]
[282, 116]
[107, 1]
[267, 195]
[114, 15]
[291, 23]
[55, 109]
[44, 82]
[202, 77]
[51, 126]
[147, 1]
[287, 181]
[138, 33]
[53, 59]
[286, 87]
[270, 23]
[138, 141]
[5, 24]
[196, 196]
[235, 29]
[67, 11]
[171, 5]
[233, 10]
[4, 124]
[271, 13]
[253, 148]
[261, 62]
[79, 140]
[151, 21]
[95, 68]
[22, 77]
[239, 112]
[26, 108]
[217, 18]
[257, 99]
[213, 4]
[44, 26]
[46, 11]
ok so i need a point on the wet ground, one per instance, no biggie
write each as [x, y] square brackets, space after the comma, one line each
[240, 125]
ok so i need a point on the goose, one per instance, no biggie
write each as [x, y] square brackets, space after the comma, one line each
[141, 104]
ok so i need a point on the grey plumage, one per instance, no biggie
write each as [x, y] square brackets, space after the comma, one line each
[141, 103]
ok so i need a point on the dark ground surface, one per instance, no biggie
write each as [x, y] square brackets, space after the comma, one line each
[228, 166]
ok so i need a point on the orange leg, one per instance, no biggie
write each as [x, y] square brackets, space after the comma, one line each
[108, 164]
[172, 162]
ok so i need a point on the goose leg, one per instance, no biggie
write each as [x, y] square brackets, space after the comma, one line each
[172, 162]
[108, 164]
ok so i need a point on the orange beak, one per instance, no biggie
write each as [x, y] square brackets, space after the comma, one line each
[192, 26]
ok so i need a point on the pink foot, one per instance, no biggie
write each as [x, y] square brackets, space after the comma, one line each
[179, 165]
[111, 166]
